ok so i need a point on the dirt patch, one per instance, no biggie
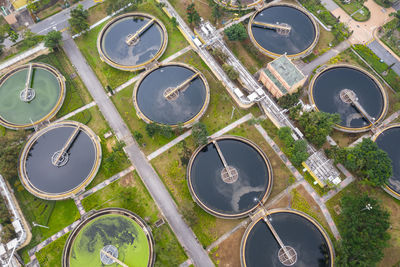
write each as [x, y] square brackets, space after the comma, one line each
[228, 252]
[127, 180]
[280, 204]
[110, 144]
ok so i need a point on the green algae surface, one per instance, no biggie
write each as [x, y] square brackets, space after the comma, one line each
[117, 230]
[47, 89]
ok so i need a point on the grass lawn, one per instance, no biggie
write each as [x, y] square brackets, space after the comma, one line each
[54, 214]
[76, 92]
[281, 173]
[325, 38]
[392, 256]
[51, 255]
[248, 54]
[301, 200]
[130, 193]
[51, 10]
[352, 7]
[173, 173]
[94, 119]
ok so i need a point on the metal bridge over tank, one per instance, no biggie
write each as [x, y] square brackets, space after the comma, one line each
[60, 157]
[280, 28]
[287, 255]
[229, 174]
[349, 96]
[28, 94]
[133, 39]
[172, 93]
[109, 255]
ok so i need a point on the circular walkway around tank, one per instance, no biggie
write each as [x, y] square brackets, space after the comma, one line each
[389, 140]
[187, 107]
[300, 41]
[44, 178]
[125, 232]
[49, 92]
[114, 49]
[229, 198]
[297, 230]
[325, 89]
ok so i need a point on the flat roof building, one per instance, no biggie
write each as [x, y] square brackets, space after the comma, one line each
[281, 76]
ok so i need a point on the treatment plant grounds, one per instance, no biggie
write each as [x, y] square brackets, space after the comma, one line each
[284, 28]
[60, 160]
[131, 41]
[171, 94]
[296, 230]
[113, 231]
[326, 93]
[30, 94]
[226, 175]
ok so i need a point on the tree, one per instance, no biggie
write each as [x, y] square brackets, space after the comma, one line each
[364, 231]
[192, 14]
[367, 160]
[52, 39]
[78, 20]
[200, 133]
[174, 22]
[216, 12]
[32, 6]
[217, 52]
[295, 150]
[230, 71]
[289, 100]
[10, 148]
[236, 32]
[152, 129]
[318, 125]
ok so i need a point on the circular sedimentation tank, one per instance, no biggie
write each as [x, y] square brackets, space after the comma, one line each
[299, 232]
[389, 140]
[131, 41]
[283, 28]
[329, 92]
[171, 94]
[107, 236]
[239, 5]
[231, 185]
[30, 94]
[60, 160]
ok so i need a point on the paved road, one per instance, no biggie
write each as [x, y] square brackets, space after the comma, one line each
[307, 69]
[329, 4]
[57, 22]
[385, 55]
[138, 159]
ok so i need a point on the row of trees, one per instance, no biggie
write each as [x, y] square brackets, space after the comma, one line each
[366, 160]
[295, 150]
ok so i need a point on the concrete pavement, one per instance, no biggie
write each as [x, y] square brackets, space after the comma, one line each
[148, 175]
[385, 55]
[307, 69]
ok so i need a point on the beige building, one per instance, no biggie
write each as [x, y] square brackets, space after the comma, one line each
[281, 76]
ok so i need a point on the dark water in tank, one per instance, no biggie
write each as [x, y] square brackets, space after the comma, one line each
[115, 48]
[327, 88]
[227, 198]
[300, 37]
[389, 141]
[295, 231]
[51, 179]
[153, 104]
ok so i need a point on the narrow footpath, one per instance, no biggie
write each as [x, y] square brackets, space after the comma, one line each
[148, 175]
